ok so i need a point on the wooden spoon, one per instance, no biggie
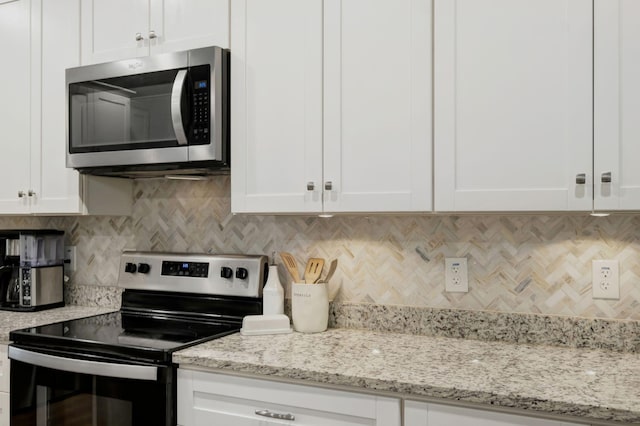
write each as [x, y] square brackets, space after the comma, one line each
[291, 265]
[313, 270]
[332, 269]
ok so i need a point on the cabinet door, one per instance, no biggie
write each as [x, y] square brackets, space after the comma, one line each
[512, 105]
[110, 29]
[182, 25]
[423, 414]
[377, 105]
[4, 409]
[616, 105]
[276, 113]
[4, 369]
[4, 386]
[208, 398]
[56, 188]
[15, 104]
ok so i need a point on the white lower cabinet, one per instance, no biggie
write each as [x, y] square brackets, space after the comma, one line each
[4, 386]
[428, 414]
[4, 409]
[210, 398]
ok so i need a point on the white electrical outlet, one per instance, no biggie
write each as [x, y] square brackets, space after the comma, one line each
[70, 259]
[455, 275]
[606, 281]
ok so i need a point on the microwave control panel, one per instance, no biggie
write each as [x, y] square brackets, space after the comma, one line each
[200, 104]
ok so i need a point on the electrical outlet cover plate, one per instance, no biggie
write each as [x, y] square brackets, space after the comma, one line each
[455, 275]
[70, 259]
[606, 281]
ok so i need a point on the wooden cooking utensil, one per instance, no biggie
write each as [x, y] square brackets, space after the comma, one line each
[291, 265]
[332, 268]
[313, 270]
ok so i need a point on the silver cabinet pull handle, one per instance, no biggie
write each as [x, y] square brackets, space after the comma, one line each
[267, 413]
[581, 178]
[606, 177]
[152, 34]
[21, 194]
[139, 37]
[31, 193]
[328, 185]
[311, 186]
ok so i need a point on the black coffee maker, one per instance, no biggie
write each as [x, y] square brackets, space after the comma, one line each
[31, 269]
[10, 271]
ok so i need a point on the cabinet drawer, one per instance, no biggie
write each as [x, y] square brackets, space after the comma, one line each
[427, 414]
[4, 369]
[207, 398]
[4, 409]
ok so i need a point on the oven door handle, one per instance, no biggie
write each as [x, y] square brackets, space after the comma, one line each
[96, 368]
[176, 108]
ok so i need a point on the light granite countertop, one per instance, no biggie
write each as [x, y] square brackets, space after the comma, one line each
[592, 384]
[10, 320]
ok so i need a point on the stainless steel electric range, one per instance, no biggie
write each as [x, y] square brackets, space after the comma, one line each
[115, 369]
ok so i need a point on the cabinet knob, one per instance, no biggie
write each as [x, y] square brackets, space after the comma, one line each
[311, 186]
[152, 34]
[328, 185]
[581, 178]
[606, 177]
[139, 37]
[31, 193]
[21, 194]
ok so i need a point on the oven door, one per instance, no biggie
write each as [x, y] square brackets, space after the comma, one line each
[56, 390]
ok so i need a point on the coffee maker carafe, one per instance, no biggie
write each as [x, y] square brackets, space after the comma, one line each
[31, 269]
[10, 272]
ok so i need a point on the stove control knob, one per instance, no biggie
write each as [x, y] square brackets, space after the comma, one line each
[144, 268]
[226, 272]
[130, 267]
[242, 273]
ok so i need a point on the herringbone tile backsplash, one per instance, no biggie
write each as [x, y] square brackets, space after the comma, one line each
[530, 264]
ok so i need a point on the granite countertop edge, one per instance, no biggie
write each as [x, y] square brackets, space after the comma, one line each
[210, 356]
[409, 391]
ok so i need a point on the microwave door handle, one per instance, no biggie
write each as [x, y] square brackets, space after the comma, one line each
[176, 110]
[96, 368]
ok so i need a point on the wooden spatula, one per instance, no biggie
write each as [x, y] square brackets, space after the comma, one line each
[313, 270]
[291, 265]
[332, 268]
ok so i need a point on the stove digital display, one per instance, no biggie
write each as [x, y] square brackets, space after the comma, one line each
[185, 269]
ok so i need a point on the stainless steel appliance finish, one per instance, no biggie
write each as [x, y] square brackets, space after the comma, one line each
[31, 269]
[115, 369]
[41, 286]
[139, 372]
[150, 116]
[230, 275]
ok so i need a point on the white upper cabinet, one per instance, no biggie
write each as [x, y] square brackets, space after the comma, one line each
[331, 109]
[513, 105]
[122, 29]
[377, 105]
[276, 113]
[617, 105]
[44, 41]
[15, 104]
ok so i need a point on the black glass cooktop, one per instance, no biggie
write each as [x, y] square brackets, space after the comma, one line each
[119, 334]
[149, 327]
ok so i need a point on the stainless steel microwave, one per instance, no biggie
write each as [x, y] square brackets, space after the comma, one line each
[152, 116]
